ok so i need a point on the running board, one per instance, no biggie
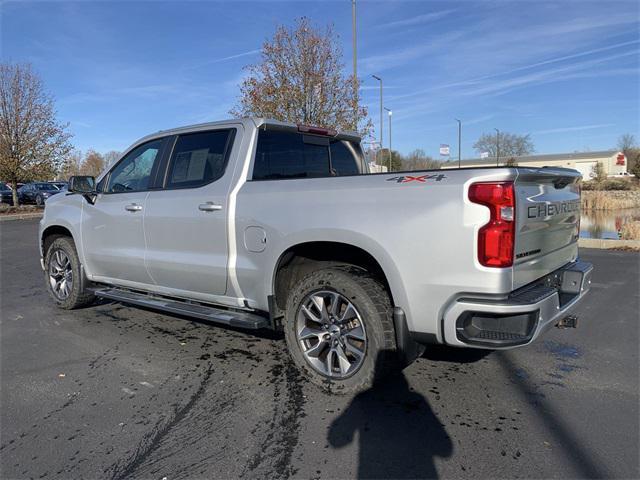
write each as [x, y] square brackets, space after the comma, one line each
[233, 318]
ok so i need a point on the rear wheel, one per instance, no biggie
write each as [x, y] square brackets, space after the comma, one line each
[339, 329]
[64, 276]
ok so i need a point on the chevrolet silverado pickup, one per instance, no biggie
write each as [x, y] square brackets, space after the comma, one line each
[259, 224]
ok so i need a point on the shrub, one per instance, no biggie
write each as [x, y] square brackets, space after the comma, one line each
[630, 230]
[612, 184]
[608, 185]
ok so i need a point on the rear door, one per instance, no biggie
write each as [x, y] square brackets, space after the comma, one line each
[547, 221]
[186, 220]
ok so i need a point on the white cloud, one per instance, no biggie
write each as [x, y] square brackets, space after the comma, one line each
[572, 129]
[418, 20]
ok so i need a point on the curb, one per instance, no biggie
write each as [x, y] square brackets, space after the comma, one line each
[19, 216]
[607, 244]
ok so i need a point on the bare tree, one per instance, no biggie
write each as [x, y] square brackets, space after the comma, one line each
[300, 79]
[32, 143]
[111, 157]
[627, 145]
[93, 164]
[419, 160]
[71, 165]
[510, 145]
[627, 142]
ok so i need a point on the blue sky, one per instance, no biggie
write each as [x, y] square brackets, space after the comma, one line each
[566, 71]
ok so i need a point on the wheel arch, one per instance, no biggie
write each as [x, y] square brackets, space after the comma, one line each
[50, 233]
[299, 259]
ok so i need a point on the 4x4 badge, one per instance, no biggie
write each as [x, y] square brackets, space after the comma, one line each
[420, 179]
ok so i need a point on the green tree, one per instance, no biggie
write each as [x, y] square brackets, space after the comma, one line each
[382, 158]
[33, 145]
[300, 79]
[599, 174]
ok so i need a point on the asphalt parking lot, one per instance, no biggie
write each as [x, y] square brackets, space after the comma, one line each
[112, 391]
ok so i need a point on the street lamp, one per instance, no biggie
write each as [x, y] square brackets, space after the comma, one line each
[459, 141]
[390, 113]
[355, 66]
[497, 147]
[381, 117]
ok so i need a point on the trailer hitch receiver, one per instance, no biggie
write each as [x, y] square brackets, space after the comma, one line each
[570, 321]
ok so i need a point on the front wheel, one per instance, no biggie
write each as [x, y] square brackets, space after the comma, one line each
[339, 329]
[39, 200]
[64, 276]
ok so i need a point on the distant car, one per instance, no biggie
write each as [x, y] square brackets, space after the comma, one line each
[6, 194]
[36, 192]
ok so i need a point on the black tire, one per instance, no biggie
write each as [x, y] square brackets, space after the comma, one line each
[78, 295]
[372, 301]
[39, 201]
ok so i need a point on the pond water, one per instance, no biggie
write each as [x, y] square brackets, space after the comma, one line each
[605, 223]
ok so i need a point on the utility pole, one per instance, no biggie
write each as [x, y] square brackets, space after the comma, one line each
[459, 141]
[355, 66]
[497, 147]
[390, 154]
[381, 117]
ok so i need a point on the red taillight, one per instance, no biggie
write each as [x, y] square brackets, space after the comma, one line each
[316, 130]
[496, 239]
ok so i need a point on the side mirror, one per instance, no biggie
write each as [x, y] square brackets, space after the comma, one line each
[83, 184]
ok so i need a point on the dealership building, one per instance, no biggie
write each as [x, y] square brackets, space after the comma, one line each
[613, 161]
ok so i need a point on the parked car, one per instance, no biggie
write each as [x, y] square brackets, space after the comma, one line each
[60, 185]
[6, 194]
[258, 224]
[36, 192]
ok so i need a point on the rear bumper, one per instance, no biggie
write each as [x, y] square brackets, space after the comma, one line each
[522, 316]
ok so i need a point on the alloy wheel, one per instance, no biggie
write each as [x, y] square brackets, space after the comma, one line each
[60, 274]
[331, 334]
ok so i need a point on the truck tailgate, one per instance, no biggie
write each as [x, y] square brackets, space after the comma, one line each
[547, 221]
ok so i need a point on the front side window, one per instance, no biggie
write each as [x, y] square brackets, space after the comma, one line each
[286, 154]
[45, 187]
[133, 173]
[199, 158]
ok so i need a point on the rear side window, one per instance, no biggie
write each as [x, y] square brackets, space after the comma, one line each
[199, 158]
[344, 158]
[283, 154]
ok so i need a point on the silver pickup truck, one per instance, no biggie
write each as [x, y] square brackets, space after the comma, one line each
[258, 224]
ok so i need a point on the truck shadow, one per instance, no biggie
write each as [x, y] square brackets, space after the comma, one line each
[442, 353]
[398, 434]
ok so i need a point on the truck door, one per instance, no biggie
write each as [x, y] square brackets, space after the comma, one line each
[186, 221]
[112, 227]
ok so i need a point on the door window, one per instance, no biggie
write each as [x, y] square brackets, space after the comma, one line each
[133, 173]
[199, 158]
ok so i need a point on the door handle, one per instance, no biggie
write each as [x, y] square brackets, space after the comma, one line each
[209, 207]
[133, 207]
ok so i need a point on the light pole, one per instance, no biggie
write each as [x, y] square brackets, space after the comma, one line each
[497, 147]
[459, 141]
[390, 154]
[381, 117]
[355, 66]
